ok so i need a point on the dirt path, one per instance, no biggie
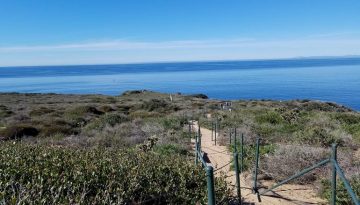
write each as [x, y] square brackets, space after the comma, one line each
[220, 159]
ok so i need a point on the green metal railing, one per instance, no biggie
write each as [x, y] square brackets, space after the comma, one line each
[209, 169]
[215, 130]
[336, 170]
[238, 168]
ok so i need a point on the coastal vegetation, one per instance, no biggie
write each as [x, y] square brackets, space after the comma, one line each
[135, 148]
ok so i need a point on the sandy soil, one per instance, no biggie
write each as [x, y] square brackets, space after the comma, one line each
[220, 158]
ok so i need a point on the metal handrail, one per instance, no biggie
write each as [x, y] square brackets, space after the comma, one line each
[304, 171]
[346, 183]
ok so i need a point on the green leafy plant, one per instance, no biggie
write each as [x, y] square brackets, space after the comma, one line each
[55, 175]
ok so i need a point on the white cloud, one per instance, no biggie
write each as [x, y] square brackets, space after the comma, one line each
[126, 45]
[125, 51]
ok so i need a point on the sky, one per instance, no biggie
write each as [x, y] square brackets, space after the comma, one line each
[71, 32]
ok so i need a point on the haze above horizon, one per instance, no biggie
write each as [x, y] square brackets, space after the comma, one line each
[94, 32]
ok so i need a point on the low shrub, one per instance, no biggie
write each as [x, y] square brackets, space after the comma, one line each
[173, 122]
[354, 130]
[348, 118]
[154, 105]
[53, 129]
[38, 175]
[144, 114]
[170, 149]
[317, 136]
[288, 160]
[83, 110]
[109, 119]
[40, 111]
[106, 108]
[270, 117]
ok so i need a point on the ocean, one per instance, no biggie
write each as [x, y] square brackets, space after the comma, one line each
[328, 79]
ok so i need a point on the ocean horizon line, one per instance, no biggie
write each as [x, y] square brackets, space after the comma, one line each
[297, 58]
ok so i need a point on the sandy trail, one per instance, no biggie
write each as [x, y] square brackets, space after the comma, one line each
[220, 158]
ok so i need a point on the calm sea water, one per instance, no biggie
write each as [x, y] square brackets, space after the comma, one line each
[334, 80]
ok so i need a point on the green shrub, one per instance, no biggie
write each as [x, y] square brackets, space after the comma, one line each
[154, 104]
[38, 175]
[170, 149]
[110, 119]
[83, 110]
[270, 117]
[265, 131]
[173, 122]
[144, 114]
[348, 118]
[342, 196]
[354, 130]
[317, 136]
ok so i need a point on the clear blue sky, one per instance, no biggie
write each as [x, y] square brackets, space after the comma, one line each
[53, 32]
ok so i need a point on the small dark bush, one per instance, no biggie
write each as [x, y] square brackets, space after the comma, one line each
[201, 96]
[17, 131]
[4, 111]
[110, 119]
[82, 110]
[106, 108]
[132, 92]
[53, 129]
[155, 104]
[41, 111]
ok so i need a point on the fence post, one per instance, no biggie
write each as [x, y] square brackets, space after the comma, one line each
[236, 162]
[210, 185]
[242, 153]
[235, 148]
[333, 181]
[212, 131]
[255, 189]
[216, 129]
[199, 135]
[230, 136]
[196, 152]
